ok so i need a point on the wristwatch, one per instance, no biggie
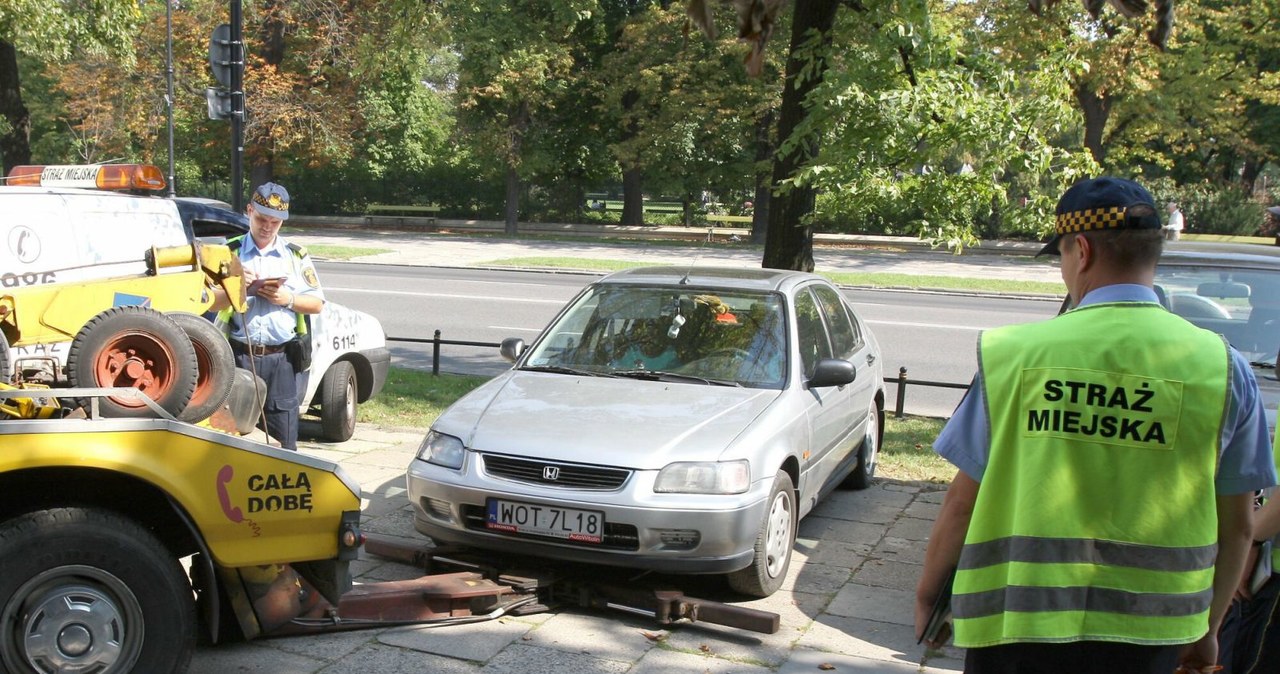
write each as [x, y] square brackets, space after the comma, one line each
[292, 297]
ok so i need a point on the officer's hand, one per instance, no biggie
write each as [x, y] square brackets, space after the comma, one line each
[1200, 657]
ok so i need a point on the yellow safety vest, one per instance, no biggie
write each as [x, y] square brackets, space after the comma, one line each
[1096, 516]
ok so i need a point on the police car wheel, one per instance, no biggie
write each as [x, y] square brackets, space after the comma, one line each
[338, 402]
[134, 347]
[774, 543]
[85, 590]
[215, 364]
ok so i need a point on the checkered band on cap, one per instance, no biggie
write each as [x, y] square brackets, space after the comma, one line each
[1091, 219]
[272, 201]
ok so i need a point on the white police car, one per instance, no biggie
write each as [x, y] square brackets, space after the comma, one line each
[65, 225]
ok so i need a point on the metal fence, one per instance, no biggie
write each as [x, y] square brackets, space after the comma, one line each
[901, 381]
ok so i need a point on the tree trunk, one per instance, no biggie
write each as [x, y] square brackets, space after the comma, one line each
[259, 148]
[632, 197]
[15, 147]
[763, 196]
[513, 200]
[1253, 166]
[789, 244]
[1096, 109]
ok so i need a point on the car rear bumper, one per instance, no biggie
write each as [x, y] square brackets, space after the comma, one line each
[449, 507]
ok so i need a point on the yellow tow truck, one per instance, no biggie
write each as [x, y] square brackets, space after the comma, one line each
[115, 533]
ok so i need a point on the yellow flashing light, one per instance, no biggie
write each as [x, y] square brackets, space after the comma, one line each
[132, 177]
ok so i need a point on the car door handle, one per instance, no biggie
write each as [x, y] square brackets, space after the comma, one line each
[871, 359]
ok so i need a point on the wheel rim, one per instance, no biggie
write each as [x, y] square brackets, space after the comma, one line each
[350, 401]
[778, 540]
[74, 620]
[872, 441]
[138, 360]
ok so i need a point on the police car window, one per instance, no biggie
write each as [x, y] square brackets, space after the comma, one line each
[845, 338]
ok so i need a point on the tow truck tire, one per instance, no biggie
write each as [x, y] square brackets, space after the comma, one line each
[338, 400]
[774, 543]
[4, 358]
[88, 590]
[135, 346]
[215, 363]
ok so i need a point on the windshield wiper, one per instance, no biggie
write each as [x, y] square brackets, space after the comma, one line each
[661, 375]
[560, 369]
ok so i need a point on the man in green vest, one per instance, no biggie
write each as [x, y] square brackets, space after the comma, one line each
[271, 338]
[1101, 514]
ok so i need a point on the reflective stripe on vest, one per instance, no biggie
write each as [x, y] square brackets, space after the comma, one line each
[1096, 516]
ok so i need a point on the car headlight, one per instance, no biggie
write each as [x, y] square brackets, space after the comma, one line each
[706, 477]
[442, 450]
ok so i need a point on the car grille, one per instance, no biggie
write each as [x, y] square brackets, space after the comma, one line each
[616, 536]
[548, 474]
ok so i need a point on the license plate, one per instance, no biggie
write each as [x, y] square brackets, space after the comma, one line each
[586, 526]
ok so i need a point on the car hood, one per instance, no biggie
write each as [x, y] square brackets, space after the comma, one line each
[605, 421]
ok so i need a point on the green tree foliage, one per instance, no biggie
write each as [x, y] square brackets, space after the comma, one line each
[926, 132]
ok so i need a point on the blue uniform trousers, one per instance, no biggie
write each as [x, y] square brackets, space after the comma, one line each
[280, 409]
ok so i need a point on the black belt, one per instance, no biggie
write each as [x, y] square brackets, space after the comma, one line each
[256, 349]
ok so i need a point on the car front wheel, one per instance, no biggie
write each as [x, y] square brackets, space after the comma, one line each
[774, 543]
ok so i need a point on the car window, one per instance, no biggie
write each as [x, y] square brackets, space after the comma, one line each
[1243, 305]
[845, 338]
[737, 337]
[811, 335]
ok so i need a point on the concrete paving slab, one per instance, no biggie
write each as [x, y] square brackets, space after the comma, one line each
[870, 639]
[833, 553]
[251, 658]
[479, 642]
[526, 659]
[614, 636]
[890, 574]
[663, 661]
[911, 528]
[875, 603]
[390, 660]
[829, 529]
[805, 661]
[891, 548]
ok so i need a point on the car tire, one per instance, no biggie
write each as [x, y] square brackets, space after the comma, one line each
[868, 452]
[774, 543]
[338, 398]
[215, 365]
[115, 598]
[134, 346]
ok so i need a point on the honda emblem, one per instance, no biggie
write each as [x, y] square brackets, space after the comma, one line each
[551, 473]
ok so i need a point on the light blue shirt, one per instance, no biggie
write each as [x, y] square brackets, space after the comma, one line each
[1246, 463]
[268, 323]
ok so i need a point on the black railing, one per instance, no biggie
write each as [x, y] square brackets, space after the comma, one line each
[902, 381]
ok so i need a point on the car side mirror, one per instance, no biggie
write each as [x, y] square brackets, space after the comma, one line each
[511, 348]
[832, 372]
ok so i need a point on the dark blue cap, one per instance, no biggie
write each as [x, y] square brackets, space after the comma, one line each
[272, 200]
[1102, 203]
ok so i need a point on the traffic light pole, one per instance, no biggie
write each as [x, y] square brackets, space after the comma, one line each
[237, 107]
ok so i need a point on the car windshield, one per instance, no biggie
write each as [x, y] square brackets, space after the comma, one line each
[1241, 304]
[669, 334]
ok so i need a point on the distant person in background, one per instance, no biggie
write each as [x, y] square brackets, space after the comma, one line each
[1173, 228]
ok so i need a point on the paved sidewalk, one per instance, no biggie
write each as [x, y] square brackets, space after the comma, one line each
[846, 607]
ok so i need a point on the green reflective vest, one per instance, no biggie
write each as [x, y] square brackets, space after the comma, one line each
[1096, 516]
[223, 318]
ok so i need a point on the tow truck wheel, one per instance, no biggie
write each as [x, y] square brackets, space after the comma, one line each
[86, 590]
[138, 347]
[338, 402]
[4, 359]
[215, 363]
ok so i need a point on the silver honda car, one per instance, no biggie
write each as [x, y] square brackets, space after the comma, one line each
[673, 419]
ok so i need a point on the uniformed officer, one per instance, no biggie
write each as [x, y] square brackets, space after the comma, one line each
[1081, 525]
[273, 328]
